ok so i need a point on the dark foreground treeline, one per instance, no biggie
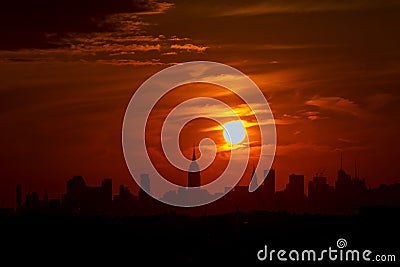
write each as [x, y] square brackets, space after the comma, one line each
[179, 239]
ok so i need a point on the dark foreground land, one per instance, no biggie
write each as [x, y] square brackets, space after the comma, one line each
[176, 239]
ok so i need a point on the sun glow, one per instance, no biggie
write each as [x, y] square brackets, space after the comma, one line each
[234, 132]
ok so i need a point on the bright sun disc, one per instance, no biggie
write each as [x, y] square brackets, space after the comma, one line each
[234, 132]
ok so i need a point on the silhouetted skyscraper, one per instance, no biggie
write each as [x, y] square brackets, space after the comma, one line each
[124, 203]
[88, 199]
[253, 178]
[106, 187]
[76, 189]
[145, 182]
[343, 182]
[269, 183]
[358, 184]
[18, 197]
[321, 195]
[194, 172]
[295, 187]
[45, 197]
[32, 199]
[76, 186]
[144, 189]
[319, 189]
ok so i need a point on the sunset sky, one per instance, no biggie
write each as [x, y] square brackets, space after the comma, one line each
[330, 71]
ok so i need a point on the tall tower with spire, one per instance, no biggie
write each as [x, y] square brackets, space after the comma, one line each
[194, 172]
[343, 182]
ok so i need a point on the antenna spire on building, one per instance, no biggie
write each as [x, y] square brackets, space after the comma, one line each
[341, 160]
[194, 171]
[194, 153]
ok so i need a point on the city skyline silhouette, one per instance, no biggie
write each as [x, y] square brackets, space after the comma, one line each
[228, 231]
[348, 195]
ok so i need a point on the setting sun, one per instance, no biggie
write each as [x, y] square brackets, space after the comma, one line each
[234, 132]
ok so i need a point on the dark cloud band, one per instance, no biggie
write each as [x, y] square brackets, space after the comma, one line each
[40, 23]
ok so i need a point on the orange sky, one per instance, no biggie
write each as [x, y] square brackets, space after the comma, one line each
[329, 69]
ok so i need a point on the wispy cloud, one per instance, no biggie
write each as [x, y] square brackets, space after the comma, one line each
[157, 9]
[121, 62]
[312, 115]
[42, 23]
[119, 36]
[336, 103]
[346, 140]
[170, 53]
[189, 47]
[298, 6]
[277, 46]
